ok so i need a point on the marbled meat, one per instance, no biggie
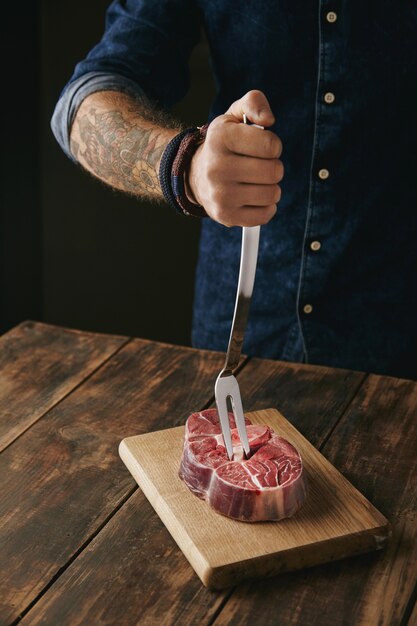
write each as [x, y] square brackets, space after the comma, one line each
[269, 485]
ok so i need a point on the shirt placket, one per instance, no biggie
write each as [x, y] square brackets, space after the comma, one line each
[320, 215]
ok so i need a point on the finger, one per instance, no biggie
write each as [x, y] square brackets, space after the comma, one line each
[246, 169]
[256, 107]
[233, 197]
[253, 216]
[250, 141]
[257, 195]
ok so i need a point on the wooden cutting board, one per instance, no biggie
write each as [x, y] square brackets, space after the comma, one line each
[336, 520]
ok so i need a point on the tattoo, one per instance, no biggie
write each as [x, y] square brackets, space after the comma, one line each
[75, 148]
[116, 149]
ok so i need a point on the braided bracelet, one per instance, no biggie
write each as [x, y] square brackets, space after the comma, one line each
[180, 169]
[165, 168]
[175, 163]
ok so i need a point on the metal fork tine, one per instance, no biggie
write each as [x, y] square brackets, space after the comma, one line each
[239, 415]
[221, 402]
[228, 387]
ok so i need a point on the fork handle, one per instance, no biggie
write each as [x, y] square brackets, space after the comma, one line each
[248, 260]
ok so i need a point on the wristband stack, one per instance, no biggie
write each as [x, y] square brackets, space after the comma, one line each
[175, 164]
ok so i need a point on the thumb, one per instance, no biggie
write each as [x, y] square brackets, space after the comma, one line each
[256, 107]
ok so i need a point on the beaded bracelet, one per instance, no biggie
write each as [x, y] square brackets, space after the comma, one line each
[175, 162]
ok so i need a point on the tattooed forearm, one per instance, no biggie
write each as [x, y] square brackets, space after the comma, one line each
[121, 142]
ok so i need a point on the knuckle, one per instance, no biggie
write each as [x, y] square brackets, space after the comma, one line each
[275, 145]
[253, 95]
[232, 137]
[269, 145]
[273, 196]
[279, 171]
[277, 194]
[215, 212]
[268, 213]
[217, 123]
[217, 140]
[272, 145]
[263, 218]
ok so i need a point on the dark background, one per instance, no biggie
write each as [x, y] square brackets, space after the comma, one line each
[74, 252]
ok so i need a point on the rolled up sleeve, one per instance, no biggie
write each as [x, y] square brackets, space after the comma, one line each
[145, 49]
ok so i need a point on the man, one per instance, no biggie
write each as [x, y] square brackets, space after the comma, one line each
[335, 281]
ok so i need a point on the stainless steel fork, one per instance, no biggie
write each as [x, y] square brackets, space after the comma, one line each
[226, 386]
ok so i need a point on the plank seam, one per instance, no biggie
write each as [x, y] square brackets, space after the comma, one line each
[58, 402]
[343, 413]
[76, 554]
[221, 606]
[409, 608]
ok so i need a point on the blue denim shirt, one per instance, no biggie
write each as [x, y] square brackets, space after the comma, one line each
[336, 277]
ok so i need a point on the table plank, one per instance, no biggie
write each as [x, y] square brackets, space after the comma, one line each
[374, 445]
[63, 478]
[39, 365]
[412, 621]
[315, 397]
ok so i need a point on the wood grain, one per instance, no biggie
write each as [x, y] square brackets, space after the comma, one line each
[335, 521]
[315, 404]
[374, 445]
[63, 478]
[39, 365]
[131, 573]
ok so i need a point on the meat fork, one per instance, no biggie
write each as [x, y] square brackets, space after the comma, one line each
[226, 386]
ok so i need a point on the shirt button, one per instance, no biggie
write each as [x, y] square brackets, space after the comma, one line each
[331, 17]
[307, 308]
[323, 174]
[315, 245]
[329, 97]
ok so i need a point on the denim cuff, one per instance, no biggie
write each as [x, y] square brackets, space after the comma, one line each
[73, 95]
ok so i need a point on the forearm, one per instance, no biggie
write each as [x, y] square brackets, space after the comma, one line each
[120, 140]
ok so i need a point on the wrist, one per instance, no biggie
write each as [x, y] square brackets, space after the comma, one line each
[174, 169]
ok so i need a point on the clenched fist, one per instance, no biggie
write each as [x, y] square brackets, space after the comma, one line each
[235, 173]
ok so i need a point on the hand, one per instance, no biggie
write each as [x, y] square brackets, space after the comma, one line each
[235, 173]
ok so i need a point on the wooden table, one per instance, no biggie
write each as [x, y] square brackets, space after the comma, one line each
[80, 544]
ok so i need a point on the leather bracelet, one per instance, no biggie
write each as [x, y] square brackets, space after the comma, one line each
[180, 168]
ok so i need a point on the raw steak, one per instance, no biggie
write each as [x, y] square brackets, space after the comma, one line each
[268, 486]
